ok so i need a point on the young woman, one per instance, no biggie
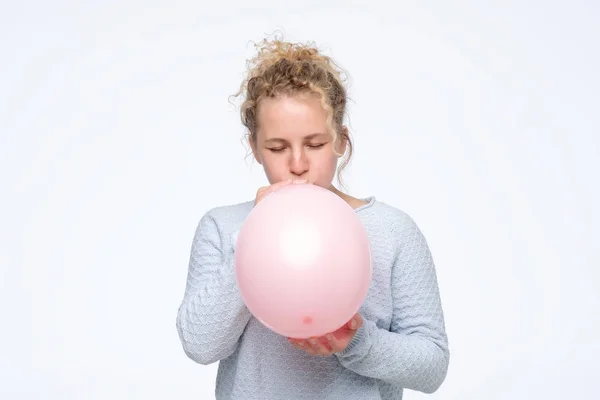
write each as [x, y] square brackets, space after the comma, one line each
[293, 109]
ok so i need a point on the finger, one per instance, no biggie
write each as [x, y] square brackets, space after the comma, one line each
[261, 192]
[303, 345]
[267, 190]
[314, 346]
[354, 323]
[320, 347]
[334, 343]
[274, 187]
[297, 344]
[307, 346]
[325, 343]
[294, 341]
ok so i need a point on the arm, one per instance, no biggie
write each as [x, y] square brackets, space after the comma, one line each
[414, 353]
[212, 315]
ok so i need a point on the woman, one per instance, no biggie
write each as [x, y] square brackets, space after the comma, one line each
[293, 109]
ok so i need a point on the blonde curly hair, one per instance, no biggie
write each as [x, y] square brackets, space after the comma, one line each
[284, 68]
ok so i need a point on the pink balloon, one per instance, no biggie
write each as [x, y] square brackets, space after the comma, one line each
[303, 261]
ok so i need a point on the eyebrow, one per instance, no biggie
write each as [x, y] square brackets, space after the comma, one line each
[308, 137]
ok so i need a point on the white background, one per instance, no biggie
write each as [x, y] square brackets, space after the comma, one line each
[479, 119]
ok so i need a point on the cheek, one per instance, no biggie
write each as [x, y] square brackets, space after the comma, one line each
[324, 169]
[275, 169]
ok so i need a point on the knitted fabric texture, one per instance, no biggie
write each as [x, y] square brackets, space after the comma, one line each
[401, 345]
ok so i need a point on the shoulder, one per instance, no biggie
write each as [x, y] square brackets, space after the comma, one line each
[223, 222]
[393, 225]
[389, 215]
[229, 214]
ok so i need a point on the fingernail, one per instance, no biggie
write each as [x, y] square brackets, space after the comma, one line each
[353, 324]
[313, 341]
[329, 337]
[301, 344]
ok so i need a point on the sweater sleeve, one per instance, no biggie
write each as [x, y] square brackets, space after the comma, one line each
[414, 353]
[212, 315]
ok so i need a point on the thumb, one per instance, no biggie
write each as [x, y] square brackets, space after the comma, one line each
[353, 324]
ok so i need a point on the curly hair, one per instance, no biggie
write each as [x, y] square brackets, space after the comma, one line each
[284, 68]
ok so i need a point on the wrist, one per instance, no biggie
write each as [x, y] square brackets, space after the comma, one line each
[359, 339]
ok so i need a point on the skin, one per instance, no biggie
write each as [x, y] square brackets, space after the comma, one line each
[293, 146]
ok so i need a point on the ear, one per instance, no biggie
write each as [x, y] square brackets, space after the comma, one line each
[254, 149]
[342, 141]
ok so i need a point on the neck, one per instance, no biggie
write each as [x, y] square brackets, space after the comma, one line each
[338, 192]
[352, 201]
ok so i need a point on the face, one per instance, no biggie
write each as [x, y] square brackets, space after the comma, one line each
[292, 141]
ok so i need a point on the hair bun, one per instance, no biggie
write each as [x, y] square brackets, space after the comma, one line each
[270, 52]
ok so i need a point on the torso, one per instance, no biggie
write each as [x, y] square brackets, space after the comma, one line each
[265, 360]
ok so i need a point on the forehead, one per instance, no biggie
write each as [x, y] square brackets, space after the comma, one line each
[291, 117]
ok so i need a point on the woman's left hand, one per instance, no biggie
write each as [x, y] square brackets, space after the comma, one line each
[332, 342]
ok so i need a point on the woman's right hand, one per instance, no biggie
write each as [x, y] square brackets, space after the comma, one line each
[266, 190]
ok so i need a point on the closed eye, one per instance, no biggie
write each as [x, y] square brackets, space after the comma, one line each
[280, 149]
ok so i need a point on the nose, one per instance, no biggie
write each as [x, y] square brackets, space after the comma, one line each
[298, 163]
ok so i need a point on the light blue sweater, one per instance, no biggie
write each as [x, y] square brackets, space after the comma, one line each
[401, 345]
